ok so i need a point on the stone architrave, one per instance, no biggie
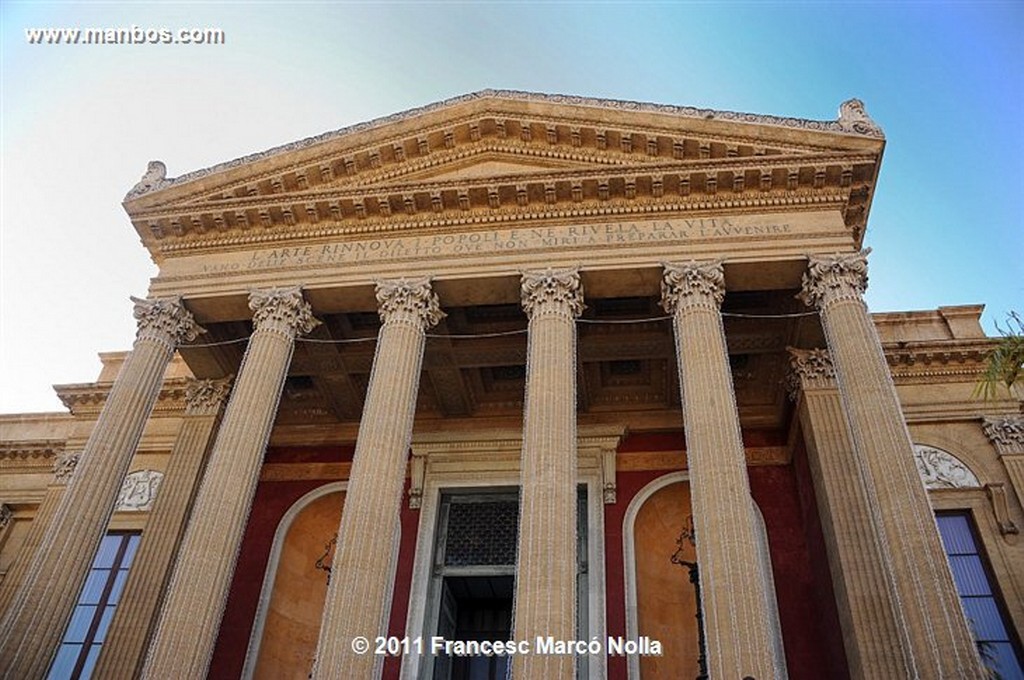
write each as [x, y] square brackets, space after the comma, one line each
[190, 618]
[933, 627]
[63, 467]
[865, 594]
[134, 619]
[735, 596]
[39, 610]
[545, 597]
[361, 572]
[1007, 436]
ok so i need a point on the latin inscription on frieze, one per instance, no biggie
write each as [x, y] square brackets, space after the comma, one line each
[501, 241]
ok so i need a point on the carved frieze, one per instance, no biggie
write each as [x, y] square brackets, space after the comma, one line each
[556, 292]
[835, 277]
[942, 470]
[64, 467]
[165, 320]
[138, 491]
[408, 301]
[282, 310]
[692, 284]
[1006, 434]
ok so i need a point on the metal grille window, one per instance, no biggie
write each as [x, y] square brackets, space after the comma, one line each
[981, 604]
[90, 620]
[481, 533]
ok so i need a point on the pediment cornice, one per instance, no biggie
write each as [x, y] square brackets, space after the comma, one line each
[496, 156]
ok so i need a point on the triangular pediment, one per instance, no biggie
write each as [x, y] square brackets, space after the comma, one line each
[495, 149]
[491, 164]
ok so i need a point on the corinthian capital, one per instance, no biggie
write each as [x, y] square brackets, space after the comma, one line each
[835, 277]
[206, 396]
[1006, 434]
[282, 310]
[408, 301]
[64, 467]
[6, 515]
[694, 284]
[809, 368]
[552, 291]
[165, 320]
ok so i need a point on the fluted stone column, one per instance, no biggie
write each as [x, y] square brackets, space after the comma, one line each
[123, 649]
[735, 596]
[940, 644]
[183, 642]
[872, 628]
[545, 598]
[63, 467]
[361, 571]
[39, 612]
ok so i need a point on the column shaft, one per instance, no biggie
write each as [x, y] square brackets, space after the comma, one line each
[40, 609]
[735, 596]
[361, 572]
[872, 630]
[545, 595]
[939, 641]
[122, 653]
[190, 619]
[63, 468]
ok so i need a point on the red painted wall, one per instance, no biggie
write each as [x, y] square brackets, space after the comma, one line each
[810, 624]
[807, 612]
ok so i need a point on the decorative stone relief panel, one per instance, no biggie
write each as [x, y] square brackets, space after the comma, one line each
[139, 491]
[942, 470]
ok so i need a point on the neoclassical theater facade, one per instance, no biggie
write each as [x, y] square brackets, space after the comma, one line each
[529, 384]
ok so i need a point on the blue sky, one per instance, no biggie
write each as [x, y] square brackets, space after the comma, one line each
[79, 124]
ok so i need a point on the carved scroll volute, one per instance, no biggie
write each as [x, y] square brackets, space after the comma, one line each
[854, 118]
[408, 301]
[165, 320]
[693, 284]
[281, 310]
[834, 278]
[552, 292]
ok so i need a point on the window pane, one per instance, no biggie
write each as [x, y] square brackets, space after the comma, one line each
[969, 574]
[108, 551]
[62, 666]
[94, 584]
[101, 630]
[90, 662]
[81, 619]
[115, 593]
[129, 553]
[985, 619]
[999, 657]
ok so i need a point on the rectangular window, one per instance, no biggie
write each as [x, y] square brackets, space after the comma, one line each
[981, 604]
[80, 646]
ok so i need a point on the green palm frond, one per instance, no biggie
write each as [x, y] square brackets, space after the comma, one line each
[1005, 363]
